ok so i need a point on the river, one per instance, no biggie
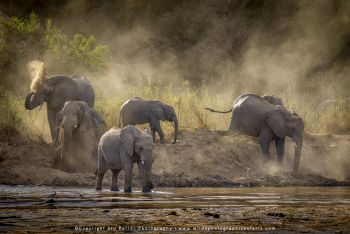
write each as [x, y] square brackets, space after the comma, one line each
[67, 209]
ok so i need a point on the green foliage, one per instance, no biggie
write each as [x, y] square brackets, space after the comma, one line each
[9, 109]
[81, 51]
[32, 38]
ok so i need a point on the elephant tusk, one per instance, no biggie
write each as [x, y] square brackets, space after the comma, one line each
[75, 126]
[143, 163]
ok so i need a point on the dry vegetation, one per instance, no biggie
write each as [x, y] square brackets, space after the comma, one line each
[188, 54]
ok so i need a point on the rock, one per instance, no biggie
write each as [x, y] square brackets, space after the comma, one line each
[278, 214]
[173, 213]
[51, 201]
[217, 216]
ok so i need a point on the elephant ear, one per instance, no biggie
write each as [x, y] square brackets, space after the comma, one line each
[97, 117]
[158, 110]
[128, 137]
[296, 122]
[276, 122]
[59, 117]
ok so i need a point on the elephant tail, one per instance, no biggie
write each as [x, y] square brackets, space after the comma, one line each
[221, 112]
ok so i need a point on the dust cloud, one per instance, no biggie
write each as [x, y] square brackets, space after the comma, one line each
[297, 50]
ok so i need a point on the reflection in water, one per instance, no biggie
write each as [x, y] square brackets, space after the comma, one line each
[36, 197]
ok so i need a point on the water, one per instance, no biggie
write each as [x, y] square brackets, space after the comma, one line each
[36, 197]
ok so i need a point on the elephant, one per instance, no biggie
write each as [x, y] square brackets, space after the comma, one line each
[118, 150]
[333, 104]
[253, 116]
[273, 99]
[80, 130]
[140, 111]
[56, 91]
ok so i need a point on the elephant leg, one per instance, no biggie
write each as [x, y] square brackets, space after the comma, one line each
[279, 144]
[153, 132]
[51, 117]
[114, 186]
[264, 141]
[265, 149]
[99, 180]
[128, 179]
[156, 126]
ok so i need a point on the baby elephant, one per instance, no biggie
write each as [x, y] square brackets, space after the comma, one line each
[139, 111]
[118, 150]
[80, 130]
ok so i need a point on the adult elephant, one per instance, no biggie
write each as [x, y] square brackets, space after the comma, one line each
[80, 131]
[334, 105]
[253, 116]
[140, 111]
[55, 91]
[118, 150]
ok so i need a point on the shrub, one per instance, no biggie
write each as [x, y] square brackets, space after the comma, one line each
[32, 38]
[9, 109]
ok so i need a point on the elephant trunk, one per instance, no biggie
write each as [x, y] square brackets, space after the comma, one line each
[33, 100]
[298, 140]
[67, 143]
[146, 177]
[176, 129]
[28, 104]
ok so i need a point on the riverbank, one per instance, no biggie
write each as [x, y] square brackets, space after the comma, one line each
[200, 159]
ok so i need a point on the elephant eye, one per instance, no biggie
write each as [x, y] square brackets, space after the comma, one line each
[141, 148]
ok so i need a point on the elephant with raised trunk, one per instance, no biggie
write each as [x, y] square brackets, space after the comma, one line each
[254, 116]
[55, 91]
[119, 150]
[140, 111]
[80, 130]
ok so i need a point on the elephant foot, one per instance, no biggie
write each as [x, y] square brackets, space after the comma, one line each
[127, 190]
[146, 190]
[98, 188]
[114, 189]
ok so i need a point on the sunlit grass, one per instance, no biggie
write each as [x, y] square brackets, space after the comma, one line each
[189, 104]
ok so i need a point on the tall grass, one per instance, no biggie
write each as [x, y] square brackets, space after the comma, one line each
[15, 118]
[188, 102]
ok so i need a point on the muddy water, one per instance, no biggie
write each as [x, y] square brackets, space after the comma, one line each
[286, 208]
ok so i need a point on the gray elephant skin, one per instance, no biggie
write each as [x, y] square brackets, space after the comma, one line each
[254, 116]
[80, 130]
[140, 111]
[55, 91]
[333, 104]
[273, 99]
[119, 150]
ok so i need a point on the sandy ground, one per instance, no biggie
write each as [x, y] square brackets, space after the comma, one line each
[200, 159]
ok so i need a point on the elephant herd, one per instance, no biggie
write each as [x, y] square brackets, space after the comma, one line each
[78, 130]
